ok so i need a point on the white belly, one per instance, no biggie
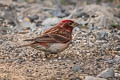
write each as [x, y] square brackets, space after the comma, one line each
[53, 47]
[57, 47]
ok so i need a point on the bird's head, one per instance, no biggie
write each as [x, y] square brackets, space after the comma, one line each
[69, 23]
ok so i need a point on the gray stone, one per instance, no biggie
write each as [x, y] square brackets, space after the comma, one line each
[50, 21]
[103, 35]
[108, 73]
[25, 24]
[20, 0]
[33, 18]
[58, 13]
[77, 78]
[117, 59]
[93, 78]
[76, 68]
[1, 41]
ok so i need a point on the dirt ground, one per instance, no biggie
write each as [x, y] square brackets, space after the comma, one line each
[96, 48]
[30, 64]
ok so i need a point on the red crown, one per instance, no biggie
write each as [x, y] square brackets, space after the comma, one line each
[66, 21]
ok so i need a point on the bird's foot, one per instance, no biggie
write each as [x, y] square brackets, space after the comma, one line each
[51, 56]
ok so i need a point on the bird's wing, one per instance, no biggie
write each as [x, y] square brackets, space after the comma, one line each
[52, 37]
[44, 38]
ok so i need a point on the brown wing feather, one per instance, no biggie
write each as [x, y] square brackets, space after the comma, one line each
[55, 34]
[44, 38]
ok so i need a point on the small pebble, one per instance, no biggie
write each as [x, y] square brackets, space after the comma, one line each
[76, 68]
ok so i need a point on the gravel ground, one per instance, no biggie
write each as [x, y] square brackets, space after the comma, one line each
[96, 48]
[79, 60]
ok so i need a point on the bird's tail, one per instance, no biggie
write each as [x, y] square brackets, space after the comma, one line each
[29, 40]
[24, 45]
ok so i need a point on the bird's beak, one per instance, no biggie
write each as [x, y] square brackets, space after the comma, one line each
[75, 24]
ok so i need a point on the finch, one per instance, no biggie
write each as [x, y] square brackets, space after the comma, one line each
[55, 39]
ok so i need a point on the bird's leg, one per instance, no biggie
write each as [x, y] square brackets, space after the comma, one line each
[46, 54]
[56, 55]
[51, 55]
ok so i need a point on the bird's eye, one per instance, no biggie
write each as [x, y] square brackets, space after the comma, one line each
[70, 23]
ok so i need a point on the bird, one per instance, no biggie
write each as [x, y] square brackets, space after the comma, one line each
[55, 39]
